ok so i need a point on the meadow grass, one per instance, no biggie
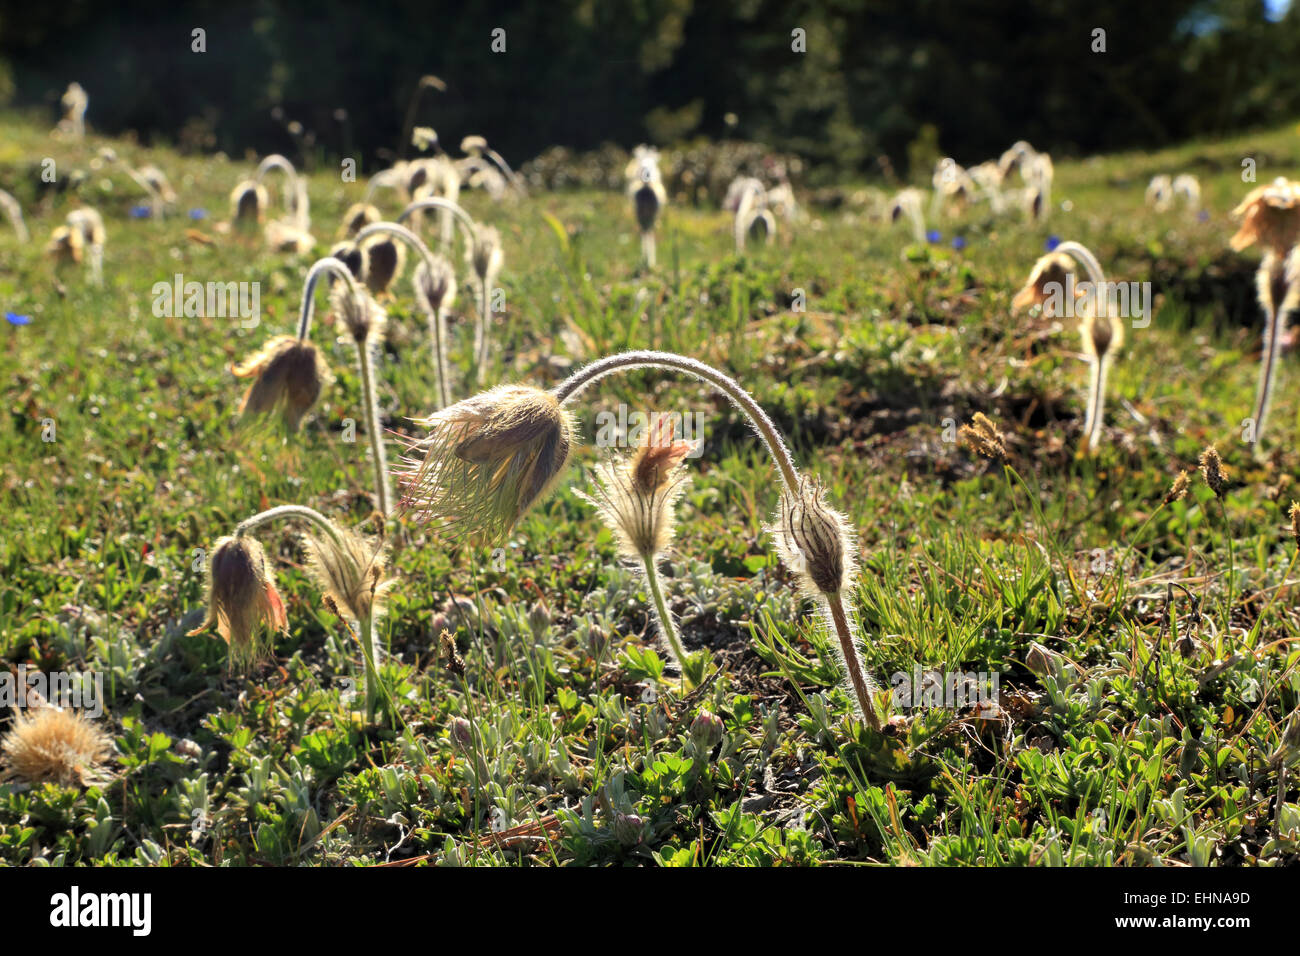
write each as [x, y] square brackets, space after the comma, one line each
[1145, 651]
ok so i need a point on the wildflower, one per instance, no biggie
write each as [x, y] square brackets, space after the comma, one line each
[283, 236]
[1212, 471]
[1050, 273]
[358, 216]
[1270, 215]
[351, 255]
[350, 569]
[1178, 490]
[241, 598]
[435, 290]
[488, 459]
[984, 438]
[248, 202]
[1294, 514]
[707, 730]
[288, 376]
[13, 318]
[384, 260]
[814, 539]
[54, 745]
[359, 316]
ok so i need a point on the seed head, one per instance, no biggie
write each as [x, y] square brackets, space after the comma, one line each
[1102, 335]
[358, 216]
[635, 497]
[436, 289]
[1178, 490]
[983, 438]
[487, 460]
[241, 598]
[351, 571]
[248, 203]
[485, 255]
[66, 245]
[814, 539]
[58, 746]
[358, 315]
[1270, 215]
[384, 260]
[1212, 471]
[288, 378]
[1294, 514]
[1053, 268]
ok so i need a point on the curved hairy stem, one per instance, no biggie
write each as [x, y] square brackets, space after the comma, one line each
[1269, 281]
[758, 419]
[436, 327]
[290, 511]
[1083, 255]
[365, 364]
[1100, 369]
[468, 226]
[514, 180]
[318, 269]
[14, 213]
[767, 431]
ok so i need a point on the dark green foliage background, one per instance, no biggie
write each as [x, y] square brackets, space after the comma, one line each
[582, 72]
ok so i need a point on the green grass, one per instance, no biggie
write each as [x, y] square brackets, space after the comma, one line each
[1146, 654]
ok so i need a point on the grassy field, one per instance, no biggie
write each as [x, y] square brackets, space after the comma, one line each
[1145, 652]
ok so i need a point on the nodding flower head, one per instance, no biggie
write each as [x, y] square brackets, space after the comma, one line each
[1178, 490]
[1102, 335]
[1052, 268]
[241, 598]
[351, 255]
[487, 460]
[359, 316]
[288, 376]
[1270, 215]
[351, 571]
[485, 255]
[435, 289]
[248, 202]
[473, 145]
[424, 138]
[66, 245]
[814, 539]
[47, 744]
[635, 497]
[358, 216]
[385, 257]
[1277, 283]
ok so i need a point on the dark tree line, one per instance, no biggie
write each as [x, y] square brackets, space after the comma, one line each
[871, 74]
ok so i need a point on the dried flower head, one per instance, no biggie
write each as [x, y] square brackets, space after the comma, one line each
[1212, 471]
[358, 216]
[435, 289]
[1178, 490]
[635, 497]
[66, 245]
[241, 598]
[814, 539]
[983, 438]
[47, 744]
[1270, 215]
[1294, 514]
[90, 224]
[248, 203]
[351, 571]
[384, 260]
[289, 376]
[1102, 335]
[487, 460]
[473, 145]
[284, 236]
[359, 316]
[485, 255]
[351, 255]
[1050, 272]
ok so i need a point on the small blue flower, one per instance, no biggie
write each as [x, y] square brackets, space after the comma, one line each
[959, 243]
[1203, 216]
[934, 235]
[1052, 243]
[13, 318]
[141, 212]
[198, 214]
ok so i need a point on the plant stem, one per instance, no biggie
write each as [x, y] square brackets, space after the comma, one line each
[290, 511]
[369, 653]
[481, 333]
[852, 662]
[666, 626]
[365, 359]
[1100, 368]
[436, 327]
[318, 269]
[1272, 346]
